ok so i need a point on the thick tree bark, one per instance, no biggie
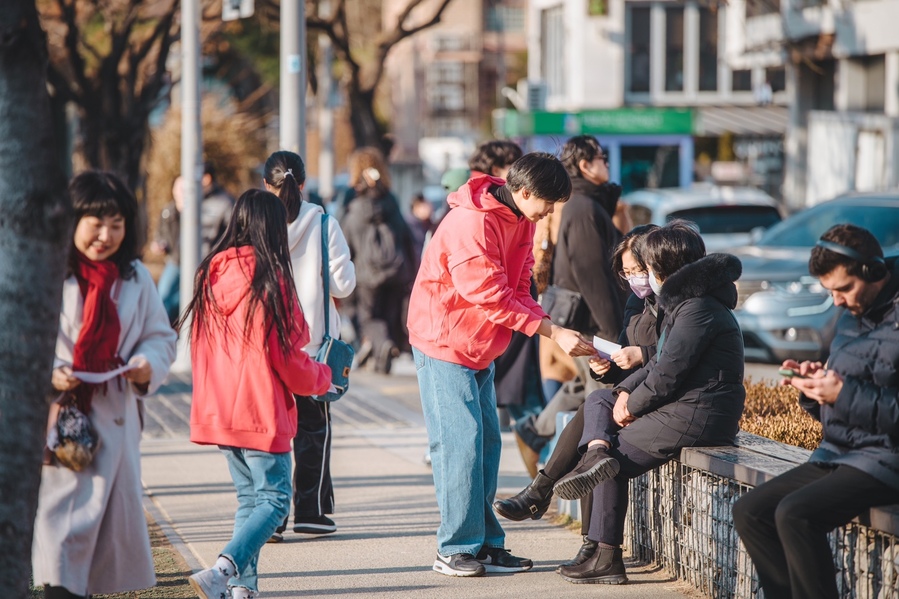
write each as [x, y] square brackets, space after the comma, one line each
[35, 232]
[366, 129]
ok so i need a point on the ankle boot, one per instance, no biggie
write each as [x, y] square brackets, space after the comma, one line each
[532, 502]
[584, 553]
[605, 567]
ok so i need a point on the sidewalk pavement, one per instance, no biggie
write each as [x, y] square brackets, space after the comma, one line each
[386, 508]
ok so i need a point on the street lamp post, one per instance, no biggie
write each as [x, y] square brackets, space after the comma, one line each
[293, 76]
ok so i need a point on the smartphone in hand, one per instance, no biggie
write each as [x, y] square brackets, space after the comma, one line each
[790, 373]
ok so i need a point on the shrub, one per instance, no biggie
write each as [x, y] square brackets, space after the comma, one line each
[774, 412]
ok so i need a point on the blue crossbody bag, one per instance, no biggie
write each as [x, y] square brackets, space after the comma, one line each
[335, 353]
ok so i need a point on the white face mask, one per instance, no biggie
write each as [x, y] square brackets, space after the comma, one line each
[654, 283]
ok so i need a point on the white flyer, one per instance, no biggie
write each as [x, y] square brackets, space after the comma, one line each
[605, 348]
[95, 378]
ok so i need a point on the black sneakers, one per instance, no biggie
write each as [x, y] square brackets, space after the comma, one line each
[497, 559]
[594, 467]
[460, 564]
[314, 525]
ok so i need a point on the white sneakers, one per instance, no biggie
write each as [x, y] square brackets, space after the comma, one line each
[210, 583]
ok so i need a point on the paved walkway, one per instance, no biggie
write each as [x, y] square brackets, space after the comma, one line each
[386, 509]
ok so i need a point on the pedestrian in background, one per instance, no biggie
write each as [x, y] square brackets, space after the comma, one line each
[90, 536]
[383, 251]
[168, 244]
[215, 210]
[476, 277]
[247, 339]
[421, 222]
[784, 523]
[313, 490]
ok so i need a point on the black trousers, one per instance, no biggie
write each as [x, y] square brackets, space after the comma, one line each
[313, 491]
[784, 524]
[51, 592]
[610, 497]
[565, 457]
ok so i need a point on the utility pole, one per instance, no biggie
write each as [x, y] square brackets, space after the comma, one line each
[191, 165]
[293, 76]
[325, 112]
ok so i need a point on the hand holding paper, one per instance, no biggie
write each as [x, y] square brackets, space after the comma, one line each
[96, 378]
[605, 348]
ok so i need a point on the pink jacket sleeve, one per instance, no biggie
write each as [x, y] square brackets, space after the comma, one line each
[301, 374]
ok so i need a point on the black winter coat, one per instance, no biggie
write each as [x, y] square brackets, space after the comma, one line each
[861, 428]
[582, 259]
[691, 392]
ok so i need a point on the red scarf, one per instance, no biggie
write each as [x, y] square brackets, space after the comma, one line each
[96, 349]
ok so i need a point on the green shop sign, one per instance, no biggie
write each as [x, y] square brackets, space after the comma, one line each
[621, 121]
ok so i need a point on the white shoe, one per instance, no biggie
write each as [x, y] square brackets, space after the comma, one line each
[210, 583]
[242, 593]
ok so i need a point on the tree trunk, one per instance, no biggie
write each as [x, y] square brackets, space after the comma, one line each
[366, 129]
[35, 233]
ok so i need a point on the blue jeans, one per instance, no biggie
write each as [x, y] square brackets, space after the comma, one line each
[168, 287]
[262, 481]
[459, 406]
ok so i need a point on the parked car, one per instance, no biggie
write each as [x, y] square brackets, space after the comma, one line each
[784, 311]
[726, 215]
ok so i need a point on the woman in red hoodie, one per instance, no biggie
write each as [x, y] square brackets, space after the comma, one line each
[247, 341]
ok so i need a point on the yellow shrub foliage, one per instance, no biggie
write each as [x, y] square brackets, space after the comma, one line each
[773, 411]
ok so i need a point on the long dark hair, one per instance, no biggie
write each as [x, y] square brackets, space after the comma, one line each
[100, 194]
[285, 172]
[259, 220]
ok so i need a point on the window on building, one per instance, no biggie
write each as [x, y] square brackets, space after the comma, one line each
[505, 16]
[757, 8]
[674, 48]
[776, 78]
[638, 49]
[552, 25]
[741, 80]
[708, 50]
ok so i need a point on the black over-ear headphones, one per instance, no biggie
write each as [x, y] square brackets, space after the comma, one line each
[873, 267]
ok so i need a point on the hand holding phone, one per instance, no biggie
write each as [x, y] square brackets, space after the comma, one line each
[790, 373]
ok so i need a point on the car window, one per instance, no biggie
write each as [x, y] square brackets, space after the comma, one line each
[729, 218]
[804, 228]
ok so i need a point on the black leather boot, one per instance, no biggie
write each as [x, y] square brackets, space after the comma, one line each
[584, 553]
[605, 567]
[532, 502]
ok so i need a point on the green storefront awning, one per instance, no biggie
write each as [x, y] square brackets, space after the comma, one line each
[619, 121]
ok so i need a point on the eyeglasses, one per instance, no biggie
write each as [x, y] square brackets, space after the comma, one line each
[605, 158]
[626, 275]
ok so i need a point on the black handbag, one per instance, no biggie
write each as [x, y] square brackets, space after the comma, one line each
[337, 354]
[564, 307]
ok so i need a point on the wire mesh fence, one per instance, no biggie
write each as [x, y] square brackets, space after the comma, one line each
[680, 519]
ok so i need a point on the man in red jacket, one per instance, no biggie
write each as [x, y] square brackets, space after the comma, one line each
[472, 291]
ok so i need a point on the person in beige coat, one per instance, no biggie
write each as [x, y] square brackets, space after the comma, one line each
[90, 535]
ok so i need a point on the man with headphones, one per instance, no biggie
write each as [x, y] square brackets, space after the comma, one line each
[784, 522]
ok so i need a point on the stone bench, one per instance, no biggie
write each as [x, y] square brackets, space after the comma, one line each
[680, 518]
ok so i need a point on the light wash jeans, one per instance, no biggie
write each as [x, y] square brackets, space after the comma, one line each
[262, 481]
[459, 406]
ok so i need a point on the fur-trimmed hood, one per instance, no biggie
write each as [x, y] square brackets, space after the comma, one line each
[712, 275]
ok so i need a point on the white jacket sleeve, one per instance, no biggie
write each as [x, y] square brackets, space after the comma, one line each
[343, 272]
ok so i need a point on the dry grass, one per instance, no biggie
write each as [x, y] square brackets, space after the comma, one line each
[774, 412]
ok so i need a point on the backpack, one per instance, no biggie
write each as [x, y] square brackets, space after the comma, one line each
[379, 258]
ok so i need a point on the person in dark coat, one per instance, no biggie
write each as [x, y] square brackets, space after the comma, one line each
[689, 394]
[784, 522]
[642, 319]
[384, 273]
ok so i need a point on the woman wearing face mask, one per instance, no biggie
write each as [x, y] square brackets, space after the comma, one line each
[689, 394]
[638, 340]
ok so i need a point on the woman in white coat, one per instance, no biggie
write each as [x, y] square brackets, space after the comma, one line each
[90, 536]
[313, 492]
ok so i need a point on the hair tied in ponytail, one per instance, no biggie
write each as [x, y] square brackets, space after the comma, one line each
[289, 172]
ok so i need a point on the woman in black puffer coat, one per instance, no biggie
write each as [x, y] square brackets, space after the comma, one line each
[689, 394]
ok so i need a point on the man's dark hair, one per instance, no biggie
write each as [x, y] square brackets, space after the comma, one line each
[580, 147]
[673, 246]
[496, 153]
[823, 260]
[541, 174]
[209, 169]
